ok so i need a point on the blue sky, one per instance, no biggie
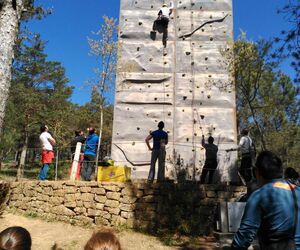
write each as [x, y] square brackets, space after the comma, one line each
[72, 21]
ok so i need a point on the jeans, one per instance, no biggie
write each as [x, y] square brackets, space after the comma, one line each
[159, 154]
[43, 172]
[246, 167]
[88, 167]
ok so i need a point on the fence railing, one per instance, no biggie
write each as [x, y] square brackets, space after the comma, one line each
[59, 169]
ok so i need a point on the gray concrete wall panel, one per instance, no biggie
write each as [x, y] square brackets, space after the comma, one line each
[186, 85]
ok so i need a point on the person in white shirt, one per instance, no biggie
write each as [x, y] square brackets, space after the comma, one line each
[162, 22]
[246, 146]
[47, 142]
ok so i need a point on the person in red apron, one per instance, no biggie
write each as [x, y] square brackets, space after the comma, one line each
[47, 142]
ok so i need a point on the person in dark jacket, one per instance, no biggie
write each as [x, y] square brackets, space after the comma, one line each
[90, 154]
[270, 211]
[79, 137]
[211, 162]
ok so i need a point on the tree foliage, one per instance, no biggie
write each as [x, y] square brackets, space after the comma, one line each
[104, 47]
[267, 99]
[290, 39]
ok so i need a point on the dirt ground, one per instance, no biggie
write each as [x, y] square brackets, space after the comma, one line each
[67, 237]
[46, 234]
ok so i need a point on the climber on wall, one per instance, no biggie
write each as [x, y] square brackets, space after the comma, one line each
[161, 23]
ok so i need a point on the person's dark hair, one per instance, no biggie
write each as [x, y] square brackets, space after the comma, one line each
[245, 131]
[161, 125]
[43, 128]
[103, 240]
[78, 132]
[269, 165]
[211, 140]
[291, 173]
[15, 238]
[92, 130]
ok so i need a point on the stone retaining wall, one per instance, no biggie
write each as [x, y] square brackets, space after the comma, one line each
[186, 207]
[4, 191]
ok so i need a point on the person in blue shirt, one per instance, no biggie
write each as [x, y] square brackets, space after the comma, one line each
[90, 153]
[160, 140]
[270, 212]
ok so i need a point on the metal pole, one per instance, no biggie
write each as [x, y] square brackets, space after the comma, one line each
[56, 164]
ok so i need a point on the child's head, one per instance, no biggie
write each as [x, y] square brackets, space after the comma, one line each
[103, 240]
[15, 238]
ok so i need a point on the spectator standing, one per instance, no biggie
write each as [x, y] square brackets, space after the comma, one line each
[160, 140]
[79, 137]
[47, 142]
[90, 154]
[247, 149]
[211, 162]
[292, 176]
[271, 212]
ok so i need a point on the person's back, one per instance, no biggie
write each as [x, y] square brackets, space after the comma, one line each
[91, 144]
[160, 138]
[211, 151]
[270, 210]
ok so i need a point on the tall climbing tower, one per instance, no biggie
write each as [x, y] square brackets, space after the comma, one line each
[187, 85]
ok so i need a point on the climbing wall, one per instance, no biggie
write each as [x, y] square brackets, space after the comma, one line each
[186, 85]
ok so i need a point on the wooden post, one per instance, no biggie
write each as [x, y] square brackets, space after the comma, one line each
[75, 162]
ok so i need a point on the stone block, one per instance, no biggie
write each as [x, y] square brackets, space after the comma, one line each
[118, 220]
[70, 183]
[83, 220]
[128, 199]
[62, 210]
[59, 192]
[113, 195]
[115, 211]
[112, 203]
[80, 210]
[93, 212]
[129, 191]
[89, 205]
[85, 189]
[69, 198]
[87, 197]
[100, 198]
[105, 215]
[70, 190]
[127, 215]
[98, 191]
[70, 204]
[127, 207]
[79, 203]
[56, 200]
[102, 221]
[99, 206]
[110, 187]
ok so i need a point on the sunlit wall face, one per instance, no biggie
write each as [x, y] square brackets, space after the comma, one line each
[186, 84]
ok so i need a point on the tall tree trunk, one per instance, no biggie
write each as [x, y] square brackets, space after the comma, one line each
[10, 12]
[21, 165]
[100, 136]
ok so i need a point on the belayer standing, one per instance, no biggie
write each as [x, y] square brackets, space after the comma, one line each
[90, 154]
[160, 140]
[47, 142]
[162, 21]
[211, 162]
[247, 149]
